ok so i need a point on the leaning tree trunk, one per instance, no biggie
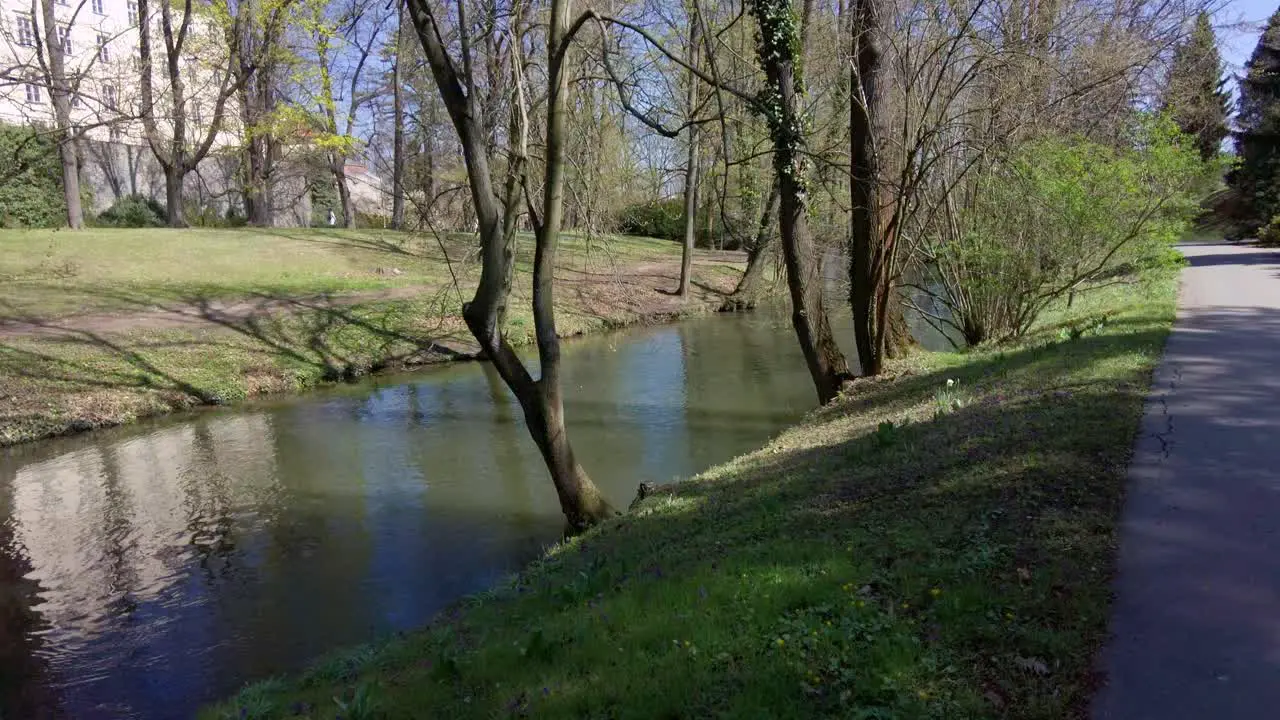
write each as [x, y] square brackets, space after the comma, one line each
[541, 400]
[747, 294]
[777, 49]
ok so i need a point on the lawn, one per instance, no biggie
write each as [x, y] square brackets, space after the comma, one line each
[936, 544]
[53, 273]
[102, 327]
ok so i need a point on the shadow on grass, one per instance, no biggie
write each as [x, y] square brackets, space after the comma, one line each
[917, 550]
[276, 338]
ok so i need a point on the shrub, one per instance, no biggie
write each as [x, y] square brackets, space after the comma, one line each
[30, 179]
[1060, 216]
[372, 221]
[134, 211]
[662, 219]
[1269, 234]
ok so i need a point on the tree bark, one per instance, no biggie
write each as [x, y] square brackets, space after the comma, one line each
[173, 180]
[60, 96]
[344, 192]
[397, 122]
[747, 294]
[691, 166]
[867, 241]
[777, 53]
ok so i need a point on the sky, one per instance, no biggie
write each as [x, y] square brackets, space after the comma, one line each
[1236, 38]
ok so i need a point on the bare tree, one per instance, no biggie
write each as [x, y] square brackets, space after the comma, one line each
[256, 58]
[343, 46]
[174, 151]
[542, 399]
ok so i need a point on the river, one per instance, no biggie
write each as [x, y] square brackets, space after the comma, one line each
[147, 570]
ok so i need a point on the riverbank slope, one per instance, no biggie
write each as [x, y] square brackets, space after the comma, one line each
[103, 327]
[936, 544]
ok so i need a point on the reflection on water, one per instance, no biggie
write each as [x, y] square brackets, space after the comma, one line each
[147, 570]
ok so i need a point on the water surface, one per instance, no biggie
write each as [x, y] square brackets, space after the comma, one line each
[147, 570]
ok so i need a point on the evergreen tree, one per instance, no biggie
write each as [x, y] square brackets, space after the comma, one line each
[1257, 179]
[1195, 94]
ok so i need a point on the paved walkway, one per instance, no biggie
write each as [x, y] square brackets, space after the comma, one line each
[1196, 621]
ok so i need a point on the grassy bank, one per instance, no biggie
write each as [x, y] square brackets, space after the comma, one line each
[102, 327]
[936, 545]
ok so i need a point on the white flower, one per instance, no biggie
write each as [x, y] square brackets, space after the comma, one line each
[950, 382]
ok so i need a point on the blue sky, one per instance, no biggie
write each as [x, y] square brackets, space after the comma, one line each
[1238, 42]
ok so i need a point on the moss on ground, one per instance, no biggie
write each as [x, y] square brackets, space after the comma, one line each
[936, 544]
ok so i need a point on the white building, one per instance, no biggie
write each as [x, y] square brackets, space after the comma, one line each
[100, 41]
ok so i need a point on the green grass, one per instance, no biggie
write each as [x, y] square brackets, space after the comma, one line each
[937, 544]
[51, 273]
[282, 310]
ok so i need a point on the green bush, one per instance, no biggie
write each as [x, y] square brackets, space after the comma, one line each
[209, 216]
[371, 221]
[1059, 216]
[1269, 234]
[30, 179]
[134, 211]
[662, 219]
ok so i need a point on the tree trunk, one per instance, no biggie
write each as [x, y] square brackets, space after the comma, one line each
[777, 53]
[60, 96]
[344, 194]
[397, 122]
[867, 241]
[691, 166]
[70, 180]
[746, 295]
[690, 214]
[173, 177]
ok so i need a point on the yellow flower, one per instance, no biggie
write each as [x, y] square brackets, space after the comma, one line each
[781, 642]
[935, 592]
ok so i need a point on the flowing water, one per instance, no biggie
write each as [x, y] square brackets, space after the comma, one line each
[147, 570]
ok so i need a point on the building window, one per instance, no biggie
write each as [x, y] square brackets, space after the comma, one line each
[110, 97]
[64, 39]
[133, 12]
[26, 31]
[33, 94]
[104, 51]
[97, 7]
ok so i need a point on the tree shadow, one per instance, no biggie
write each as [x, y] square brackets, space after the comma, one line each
[276, 337]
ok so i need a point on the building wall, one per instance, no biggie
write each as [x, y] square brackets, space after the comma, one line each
[103, 67]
